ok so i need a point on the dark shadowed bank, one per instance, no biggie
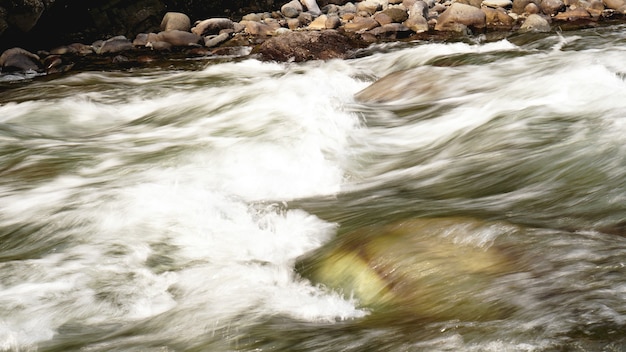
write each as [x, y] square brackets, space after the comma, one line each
[37, 24]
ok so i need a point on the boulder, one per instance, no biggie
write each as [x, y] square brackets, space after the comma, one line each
[175, 21]
[142, 39]
[259, 29]
[596, 8]
[391, 31]
[361, 24]
[368, 6]
[215, 40]
[305, 18]
[318, 23]
[433, 269]
[159, 46]
[347, 8]
[382, 18]
[333, 22]
[292, 9]
[419, 8]
[306, 45]
[552, 7]
[18, 59]
[179, 38]
[497, 18]
[535, 23]
[520, 5]
[532, 8]
[212, 26]
[396, 14]
[614, 4]
[417, 24]
[459, 16]
[113, 45]
[576, 14]
[293, 23]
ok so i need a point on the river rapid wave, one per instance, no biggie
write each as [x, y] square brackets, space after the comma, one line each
[166, 209]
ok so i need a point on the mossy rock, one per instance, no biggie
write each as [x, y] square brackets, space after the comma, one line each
[435, 269]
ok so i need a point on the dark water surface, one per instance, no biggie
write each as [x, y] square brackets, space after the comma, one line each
[165, 209]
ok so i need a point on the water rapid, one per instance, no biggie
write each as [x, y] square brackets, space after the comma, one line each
[165, 209]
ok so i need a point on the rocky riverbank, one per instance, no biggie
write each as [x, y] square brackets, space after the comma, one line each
[302, 30]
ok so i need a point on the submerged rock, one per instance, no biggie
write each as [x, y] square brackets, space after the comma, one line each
[435, 269]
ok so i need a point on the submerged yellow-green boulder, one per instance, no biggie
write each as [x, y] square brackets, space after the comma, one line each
[438, 269]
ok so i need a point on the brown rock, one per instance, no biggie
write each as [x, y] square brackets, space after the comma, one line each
[573, 15]
[419, 8]
[142, 39]
[179, 38]
[114, 45]
[460, 16]
[333, 22]
[215, 40]
[293, 23]
[417, 24]
[307, 45]
[175, 21]
[519, 6]
[596, 7]
[614, 4]
[212, 26]
[535, 23]
[498, 18]
[475, 3]
[532, 8]
[159, 46]
[318, 23]
[361, 24]
[552, 7]
[305, 18]
[396, 14]
[369, 7]
[18, 59]
[292, 9]
[382, 18]
[259, 29]
[254, 17]
[391, 31]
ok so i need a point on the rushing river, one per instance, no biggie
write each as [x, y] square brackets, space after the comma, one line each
[165, 208]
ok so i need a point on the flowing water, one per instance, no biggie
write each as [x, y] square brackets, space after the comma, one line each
[164, 209]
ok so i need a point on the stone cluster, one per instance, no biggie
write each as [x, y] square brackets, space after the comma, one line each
[301, 30]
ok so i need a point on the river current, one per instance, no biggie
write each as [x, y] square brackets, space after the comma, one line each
[164, 209]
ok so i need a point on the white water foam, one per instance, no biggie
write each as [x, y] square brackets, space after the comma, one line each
[184, 233]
